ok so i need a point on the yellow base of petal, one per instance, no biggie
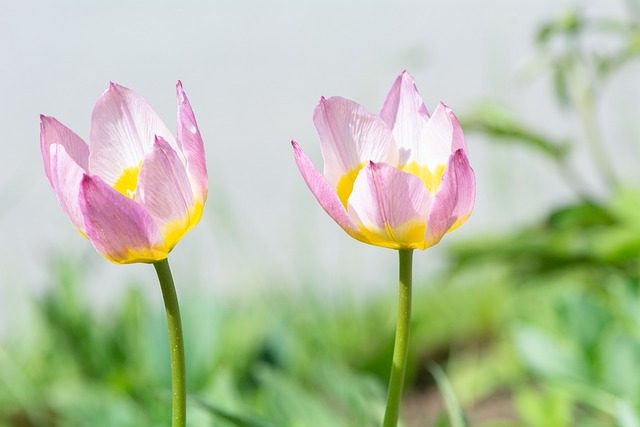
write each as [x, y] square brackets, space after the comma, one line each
[136, 255]
[407, 236]
[175, 230]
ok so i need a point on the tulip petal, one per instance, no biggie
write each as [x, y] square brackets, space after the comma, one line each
[52, 132]
[405, 114]
[443, 136]
[165, 192]
[323, 192]
[123, 130]
[390, 206]
[119, 228]
[65, 176]
[454, 200]
[191, 143]
[350, 137]
[459, 141]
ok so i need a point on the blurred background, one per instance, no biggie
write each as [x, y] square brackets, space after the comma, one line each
[531, 310]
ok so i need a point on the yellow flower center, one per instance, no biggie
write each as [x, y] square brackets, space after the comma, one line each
[430, 178]
[345, 184]
[128, 181]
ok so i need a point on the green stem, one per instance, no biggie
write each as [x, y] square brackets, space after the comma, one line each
[176, 341]
[401, 347]
[583, 95]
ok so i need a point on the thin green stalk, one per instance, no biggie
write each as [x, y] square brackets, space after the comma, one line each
[176, 341]
[401, 347]
[583, 96]
[587, 112]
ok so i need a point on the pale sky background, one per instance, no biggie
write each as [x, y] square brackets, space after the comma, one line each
[254, 71]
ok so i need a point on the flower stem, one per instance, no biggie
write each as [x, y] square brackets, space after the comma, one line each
[401, 347]
[176, 341]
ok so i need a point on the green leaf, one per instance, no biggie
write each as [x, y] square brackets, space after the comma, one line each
[235, 419]
[456, 415]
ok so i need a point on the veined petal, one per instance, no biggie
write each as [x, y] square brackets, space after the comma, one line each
[52, 132]
[123, 130]
[65, 176]
[405, 114]
[350, 137]
[165, 192]
[459, 141]
[454, 199]
[120, 229]
[442, 132]
[323, 192]
[191, 143]
[390, 206]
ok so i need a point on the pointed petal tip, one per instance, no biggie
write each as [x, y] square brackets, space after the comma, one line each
[407, 79]
[85, 182]
[47, 120]
[44, 122]
[159, 141]
[460, 157]
[182, 96]
[113, 87]
[297, 151]
[86, 179]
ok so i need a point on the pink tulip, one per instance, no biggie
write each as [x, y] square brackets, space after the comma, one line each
[400, 179]
[134, 190]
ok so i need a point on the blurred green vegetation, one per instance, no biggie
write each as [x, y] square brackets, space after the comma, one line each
[540, 324]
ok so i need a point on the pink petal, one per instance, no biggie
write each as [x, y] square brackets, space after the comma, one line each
[191, 143]
[164, 190]
[443, 136]
[405, 113]
[65, 176]
[454, 199]
[119, 228]
[123, 130]
[459, 141]
[391, 205]
[52, 132]
[323, 192]
[351, 136]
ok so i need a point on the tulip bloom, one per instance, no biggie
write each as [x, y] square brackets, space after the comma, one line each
[400, 179]
[134, 190]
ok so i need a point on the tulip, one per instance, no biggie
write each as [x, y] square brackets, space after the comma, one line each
[134, 190]
[400, 179]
